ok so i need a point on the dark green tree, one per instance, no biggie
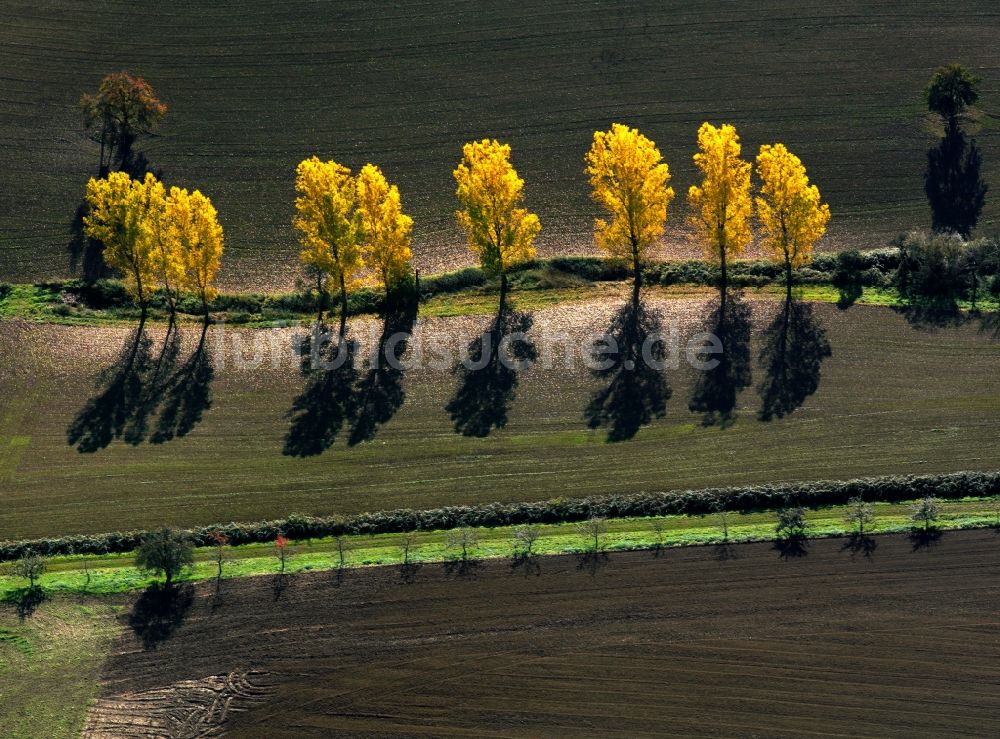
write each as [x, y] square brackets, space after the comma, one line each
[952, 182]
[164, 552]
[951, 89]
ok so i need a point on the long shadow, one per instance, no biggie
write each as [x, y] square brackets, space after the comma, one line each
[462, 567]
[488, 377]
[953, 185]
[85, 254]
[380, 391]
[632, 358]
[724, 551]
[159, 611]
[140, 384]
[931, 314]
[795, 346]
[328, 401]
[729, 371]
[529, 564]
[26, 600]
[591, 561]
[792, 547]
[989, 323]
[860, 544]
[924, 538]
[186, 394]
[120, 408]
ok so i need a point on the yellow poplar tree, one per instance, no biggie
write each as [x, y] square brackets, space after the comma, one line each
[196, 239]
[500, 232]
[330, 226]
[386, 245]
[629, 179]
[721, 205]
[120, 217]
[789, 208]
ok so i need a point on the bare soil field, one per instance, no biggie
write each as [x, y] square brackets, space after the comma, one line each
[255, 86]
[901, 643]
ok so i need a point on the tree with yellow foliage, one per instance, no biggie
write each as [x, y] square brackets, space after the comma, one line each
[789, 209]
[120, 217]
[629, 179]
[500, 232]
[721, 205]
[330, 226]
[386, 241]
[196, 243]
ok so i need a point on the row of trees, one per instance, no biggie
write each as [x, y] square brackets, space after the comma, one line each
[348, 223]
[169, 553]
[155, 238]
[352, 224]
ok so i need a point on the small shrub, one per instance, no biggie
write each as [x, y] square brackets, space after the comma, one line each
[30, 567]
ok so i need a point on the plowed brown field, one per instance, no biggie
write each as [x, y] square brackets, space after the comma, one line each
[904, 643]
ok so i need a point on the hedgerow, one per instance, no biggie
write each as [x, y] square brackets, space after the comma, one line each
[875, 268]
[561, 510]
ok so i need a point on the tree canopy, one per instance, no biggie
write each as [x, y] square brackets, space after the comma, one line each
[386, 239]
[951, 89]
[788, 207]
[122, 108]
[721, 204]
[500, 232]
[629, 179]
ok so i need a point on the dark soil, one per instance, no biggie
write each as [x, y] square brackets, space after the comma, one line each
[695, 641]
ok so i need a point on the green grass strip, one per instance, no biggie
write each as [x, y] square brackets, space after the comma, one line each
[116, 573]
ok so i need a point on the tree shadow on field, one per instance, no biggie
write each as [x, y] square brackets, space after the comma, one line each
[26, 600]
[159, 611]
[488, 377]
[591, 561]
[953, 184]
[989, 323]
[86, 255]
[328, 401]
[138, 385]
[127, 395]
[528, 564]
[724, 551]
[408, 572]
[186, 394]
[795, 346]
[630, 358]
[792, 547]
[930, 314]
[860, 544]
[462, 567]
[381, 392]
[726, 369]
[924, 538]
[280, 585]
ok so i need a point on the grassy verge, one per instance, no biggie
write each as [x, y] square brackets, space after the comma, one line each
[49, 665]
[115, 573]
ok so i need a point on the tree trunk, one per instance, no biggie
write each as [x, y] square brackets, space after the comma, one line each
[503, 290]
[343, 307]
[723, 279]
[320, 298]
[636, 273]
[788, 279]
